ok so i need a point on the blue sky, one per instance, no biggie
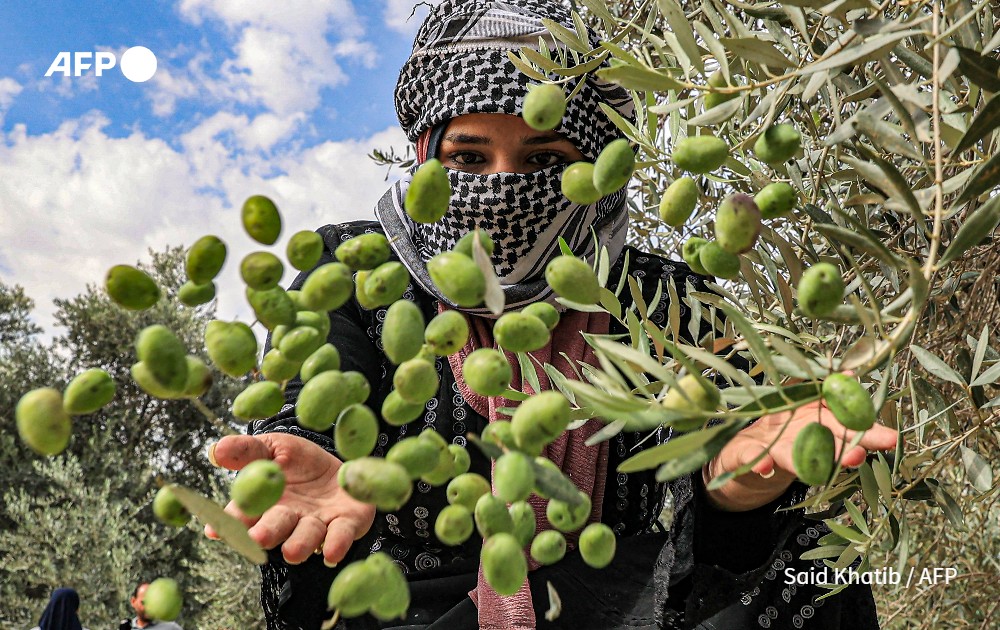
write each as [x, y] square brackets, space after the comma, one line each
[249, 96]
[33, 36]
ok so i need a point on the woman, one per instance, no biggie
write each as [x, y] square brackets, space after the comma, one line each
[458, 98]
[60, 612]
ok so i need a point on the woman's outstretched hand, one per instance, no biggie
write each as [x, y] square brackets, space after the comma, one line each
[313, 513]
[775, 471]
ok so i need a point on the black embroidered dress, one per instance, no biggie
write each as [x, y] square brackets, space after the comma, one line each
[713, 561]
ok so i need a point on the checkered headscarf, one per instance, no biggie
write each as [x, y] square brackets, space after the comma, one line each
[459, 65]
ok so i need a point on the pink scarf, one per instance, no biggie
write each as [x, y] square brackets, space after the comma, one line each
[586, 466]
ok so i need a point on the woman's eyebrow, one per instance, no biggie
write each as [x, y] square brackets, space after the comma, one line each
[466, 138]
[543, 139]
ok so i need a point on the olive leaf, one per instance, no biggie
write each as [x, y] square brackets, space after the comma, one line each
[986, 121]
[230, 529]
[981, 70]
[978, 469]
[636, 78]
[977, 225]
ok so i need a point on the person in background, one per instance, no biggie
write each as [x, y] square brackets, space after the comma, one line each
[141, 620]
[61, 611]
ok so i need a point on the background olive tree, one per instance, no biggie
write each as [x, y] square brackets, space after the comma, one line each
[83, 519]
[897, 186]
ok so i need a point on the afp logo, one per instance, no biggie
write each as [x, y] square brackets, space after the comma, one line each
[138, 64]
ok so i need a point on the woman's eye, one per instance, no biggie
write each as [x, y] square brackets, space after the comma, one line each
[466, 158]
[546, 159]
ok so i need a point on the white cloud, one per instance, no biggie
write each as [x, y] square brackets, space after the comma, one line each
[9, 88]
[397, 15]
[282, 57]
[76, 201]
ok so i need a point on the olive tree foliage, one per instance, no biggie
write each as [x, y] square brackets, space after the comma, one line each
[897, 186]
[79, 533]
[84, 518]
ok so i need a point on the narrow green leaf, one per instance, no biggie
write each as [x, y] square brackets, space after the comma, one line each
[986, 177]
[556, 484]
[801, 393]
[537, 58]
[902, 111]
[847, 532]
[528, 372]
[948, 505]
[653, 457]
[903, 548]
[991, 375]
[846, 558]
[832, 539]
[230, 529]
[851, 54]
[757, 51]
[623, 125]
[607, 405]
[987, 120]
[525, 67]
[817, 214]
[886, 135]
[610, 303]
[978, 469]
[717, 363]
[980, 351]
[859, 241]
[819, 553]
[756, 342]
[981, 70]
[711, 40]
[681, 28]
[869, 487]
[630, 354]
[606, 433]
[495, 297]
[582, 68]
[642, 79]
[717, 114]
[857, 517]
[885, 176]
[883, 477]
[600, 9]
[936, 366]
[979, 224]
[694, 459]
[573, 41]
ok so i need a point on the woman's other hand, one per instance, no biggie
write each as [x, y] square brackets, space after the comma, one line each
[775, 471]
[313, 512]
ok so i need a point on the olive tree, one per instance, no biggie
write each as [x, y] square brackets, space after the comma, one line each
[895, 184]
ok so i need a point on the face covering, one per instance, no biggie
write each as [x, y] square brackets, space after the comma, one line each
[524, 214]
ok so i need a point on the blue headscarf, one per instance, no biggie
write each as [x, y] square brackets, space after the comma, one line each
[60, 613]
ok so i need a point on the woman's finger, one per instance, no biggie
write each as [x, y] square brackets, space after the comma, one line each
[765, 467]
[853, 457]
[879, 438]
[305, 539]
[274, 526]
[236, 451]
[340, 535]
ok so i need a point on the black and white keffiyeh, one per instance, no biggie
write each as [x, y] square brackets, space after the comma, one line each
[524, 214]
[459, 65]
